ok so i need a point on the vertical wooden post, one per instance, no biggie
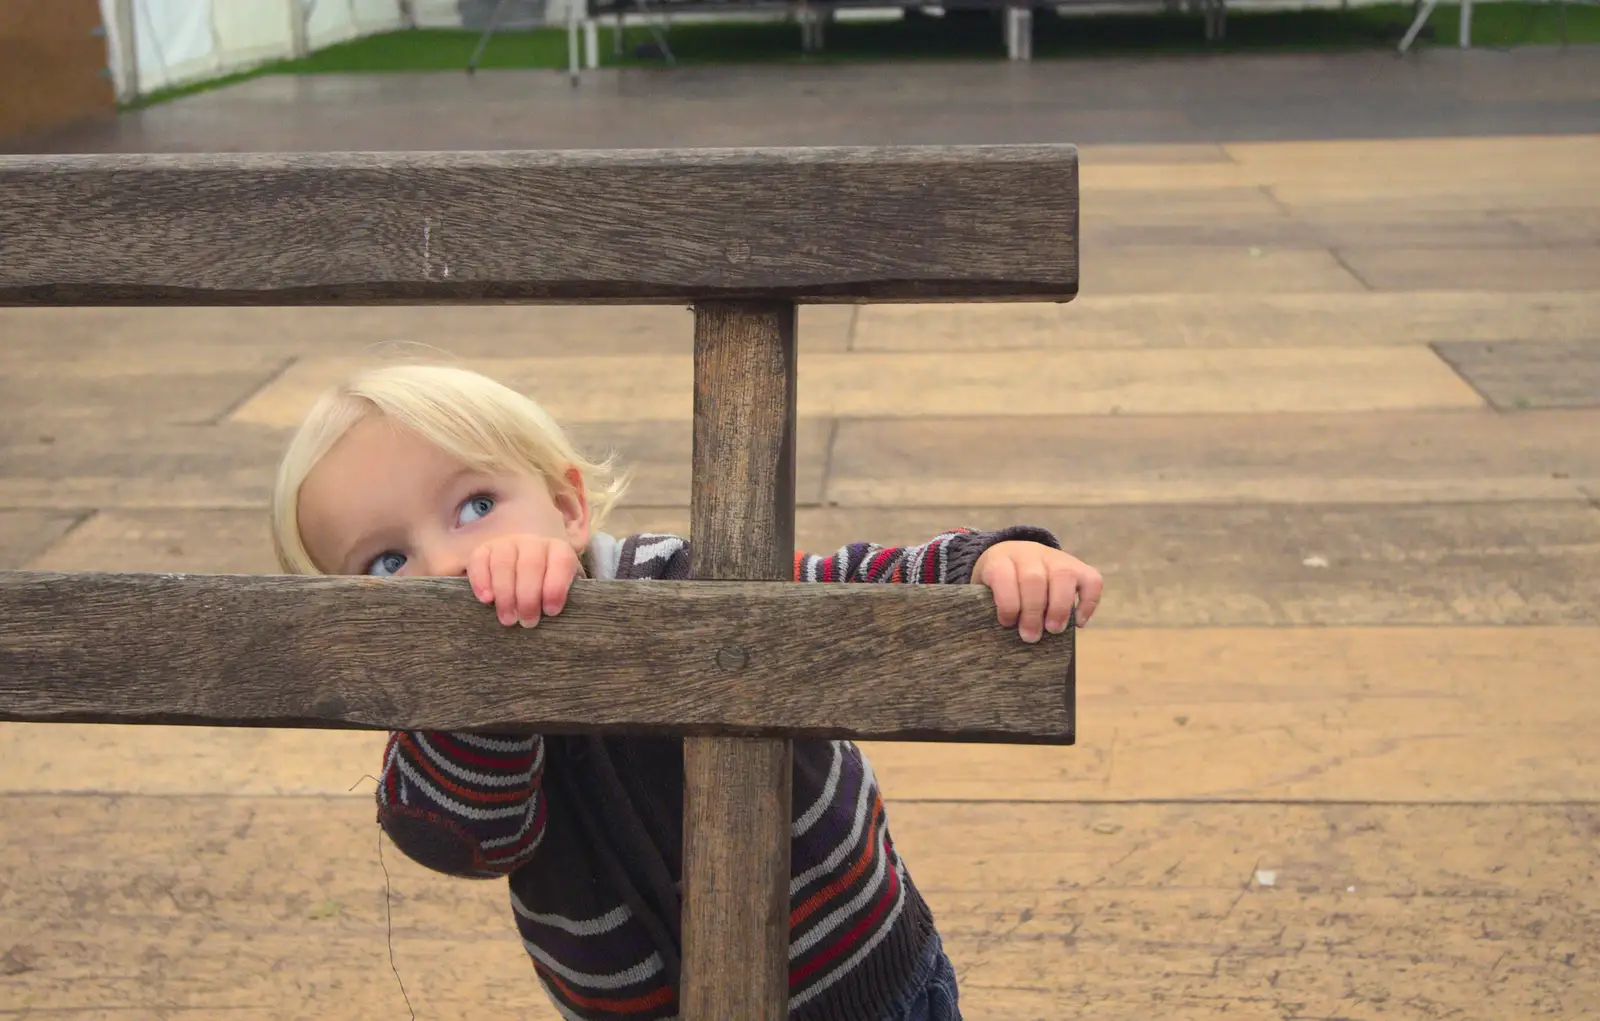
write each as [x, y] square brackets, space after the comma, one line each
[738, 790]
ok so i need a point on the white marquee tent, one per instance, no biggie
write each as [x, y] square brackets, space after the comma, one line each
[156, 44]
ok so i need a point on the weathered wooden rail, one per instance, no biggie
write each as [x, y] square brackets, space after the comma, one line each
[738, 667]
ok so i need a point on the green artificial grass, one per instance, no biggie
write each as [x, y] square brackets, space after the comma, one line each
[964, 36]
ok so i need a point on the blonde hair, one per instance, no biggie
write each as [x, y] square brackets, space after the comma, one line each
[484, 424]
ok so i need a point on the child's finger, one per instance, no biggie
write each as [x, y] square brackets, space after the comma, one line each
[1001, 577]
[1033, 583]
[503, 577]
[478, 574]
[1089, 587]
[1063, 590]
[532, 563]
[558, 574]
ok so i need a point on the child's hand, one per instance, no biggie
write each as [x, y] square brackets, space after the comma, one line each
[523, 575]
[1035, 586]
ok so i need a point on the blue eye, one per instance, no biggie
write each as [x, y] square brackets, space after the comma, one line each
[477, 507]
[386, 564]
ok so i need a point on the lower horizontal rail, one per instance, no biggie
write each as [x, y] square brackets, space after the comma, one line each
[683, 658]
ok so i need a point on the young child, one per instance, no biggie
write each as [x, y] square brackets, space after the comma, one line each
[419, 470]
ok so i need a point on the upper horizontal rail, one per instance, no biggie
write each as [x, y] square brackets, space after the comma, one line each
[686, 658]
[819, 224]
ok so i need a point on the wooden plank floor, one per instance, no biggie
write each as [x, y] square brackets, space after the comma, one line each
[1327, 415]
[1178, 107]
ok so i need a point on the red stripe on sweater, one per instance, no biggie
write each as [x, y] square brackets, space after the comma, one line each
[837, 888]
[419, 758]
[507, 761]
[633, 1004]
[883, 557]
[507, 855]
[851, 938]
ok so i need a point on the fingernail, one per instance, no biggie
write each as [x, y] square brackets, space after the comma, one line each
[531, 623]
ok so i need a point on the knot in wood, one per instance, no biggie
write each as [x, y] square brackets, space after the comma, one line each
[732, 657]
[739, 252]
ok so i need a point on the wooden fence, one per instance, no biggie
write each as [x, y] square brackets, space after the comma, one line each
[737, 665]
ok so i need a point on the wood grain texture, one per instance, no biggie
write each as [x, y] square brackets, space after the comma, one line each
[1170, 565]
[742, 489]
[1317, 713]
[1413, 457]
[1570, 268]
[1137, 911]
[738, 796]
[1407, 713]
[641, 225]
[1187, 565]
[116, 463]
[31, 405]
[1280, 911]
[1280, 231]
[1314, 712]
[165, 540]
[947, 384]
[738, 793]
[1518, 376]
[1108, 322]
[145, 759]
[1206, 269]
[1579, 225]
[138, 341]
[1371, 714]
[1146, 155]
[666, 657]
[25, 534]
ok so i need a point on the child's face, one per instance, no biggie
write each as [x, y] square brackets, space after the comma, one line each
[385, 501]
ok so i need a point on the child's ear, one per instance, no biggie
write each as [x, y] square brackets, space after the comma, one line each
[573, 503]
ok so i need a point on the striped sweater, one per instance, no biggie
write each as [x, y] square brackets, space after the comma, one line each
[589, 830]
